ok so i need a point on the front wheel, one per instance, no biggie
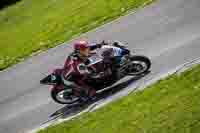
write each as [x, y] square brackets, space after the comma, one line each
[139, 65]
[64, 96]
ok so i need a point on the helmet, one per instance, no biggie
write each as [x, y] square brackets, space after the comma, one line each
[81, 45]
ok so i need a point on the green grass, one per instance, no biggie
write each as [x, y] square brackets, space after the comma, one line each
[34, 25]
[169, 106]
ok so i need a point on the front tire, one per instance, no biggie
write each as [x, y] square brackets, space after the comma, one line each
[64, 96]
[139, 65]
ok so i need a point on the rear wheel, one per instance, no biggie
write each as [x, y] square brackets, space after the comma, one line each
[65, 96]
[139, 65]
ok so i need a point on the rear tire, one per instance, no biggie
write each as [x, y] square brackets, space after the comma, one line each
[143, 61]
[69, 97]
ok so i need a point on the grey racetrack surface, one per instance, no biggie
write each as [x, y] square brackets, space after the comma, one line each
[167, 31]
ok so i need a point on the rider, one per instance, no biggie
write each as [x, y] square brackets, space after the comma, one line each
[75, 68]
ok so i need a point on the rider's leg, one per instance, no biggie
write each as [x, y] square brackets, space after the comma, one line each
[86, 92]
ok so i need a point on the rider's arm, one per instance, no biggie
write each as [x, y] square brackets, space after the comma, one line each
[83, 69]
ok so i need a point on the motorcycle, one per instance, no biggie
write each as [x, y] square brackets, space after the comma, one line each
[122, 66]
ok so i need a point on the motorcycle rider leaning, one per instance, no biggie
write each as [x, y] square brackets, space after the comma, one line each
[76, 70]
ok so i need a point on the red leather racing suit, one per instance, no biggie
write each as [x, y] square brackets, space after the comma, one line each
[75, 69]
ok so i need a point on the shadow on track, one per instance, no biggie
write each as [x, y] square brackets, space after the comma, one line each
[70, 110]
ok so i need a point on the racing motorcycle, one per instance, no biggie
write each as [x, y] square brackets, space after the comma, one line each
[123, 65]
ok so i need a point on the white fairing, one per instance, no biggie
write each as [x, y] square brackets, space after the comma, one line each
[116, 51]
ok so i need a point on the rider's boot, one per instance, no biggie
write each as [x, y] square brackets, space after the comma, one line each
[88, 96]
[92, 95]
[83, 97]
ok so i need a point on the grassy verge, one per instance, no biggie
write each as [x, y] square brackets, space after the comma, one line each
[169, 106]
[33, 25]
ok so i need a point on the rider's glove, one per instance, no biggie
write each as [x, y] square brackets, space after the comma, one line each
[99, 75]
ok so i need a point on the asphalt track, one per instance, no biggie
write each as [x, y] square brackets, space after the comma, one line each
[167, 31]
